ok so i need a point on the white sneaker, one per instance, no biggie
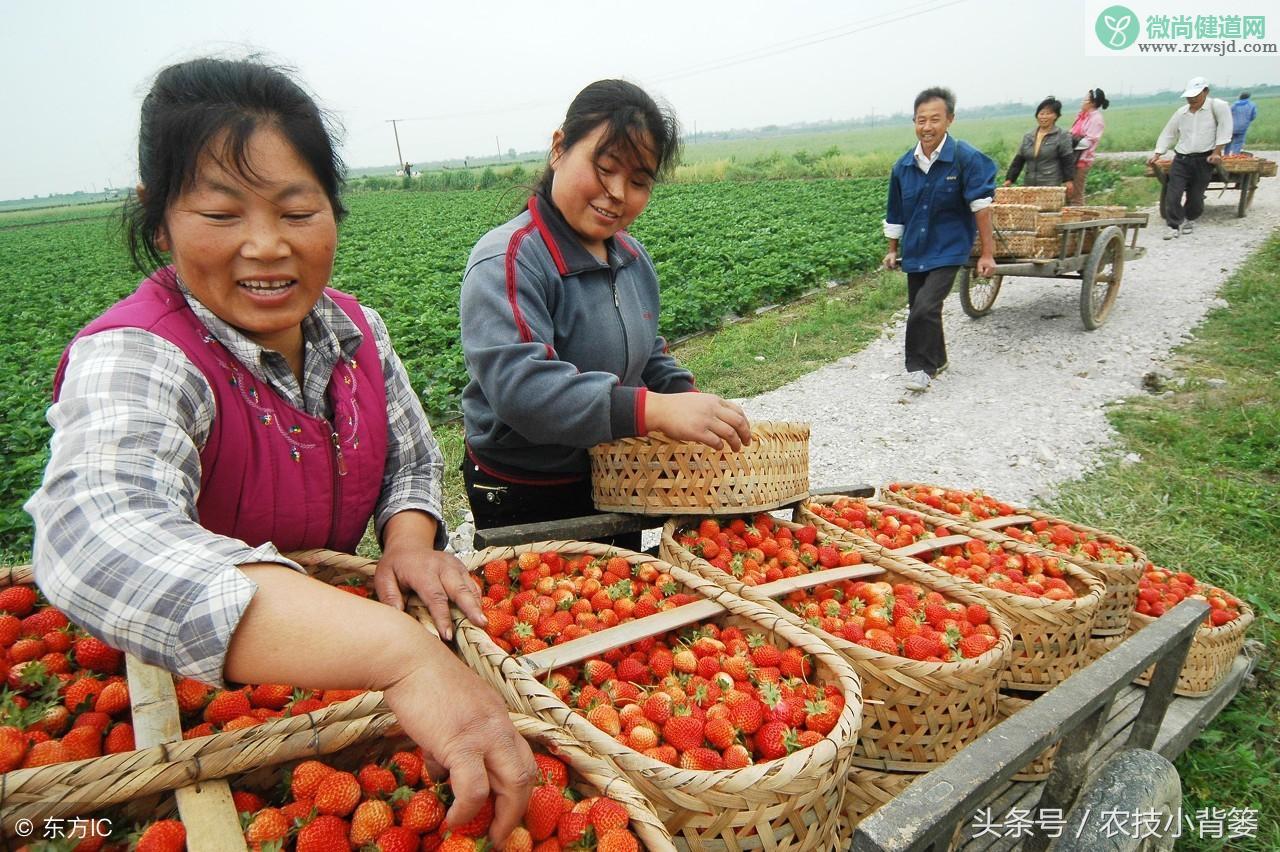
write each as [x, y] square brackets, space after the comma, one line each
[917, 381]
[1188, 227]
[1171, 233]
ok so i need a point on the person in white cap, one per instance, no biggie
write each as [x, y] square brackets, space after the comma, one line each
[1197, 133]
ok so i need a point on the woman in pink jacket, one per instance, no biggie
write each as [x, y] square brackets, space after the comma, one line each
[1087, 131]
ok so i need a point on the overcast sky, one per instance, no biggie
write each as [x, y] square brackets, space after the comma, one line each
[74, 72]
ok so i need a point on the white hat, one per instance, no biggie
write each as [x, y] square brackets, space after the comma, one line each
[1195, 86]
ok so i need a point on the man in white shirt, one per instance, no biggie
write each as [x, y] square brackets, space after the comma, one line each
[1197, 133]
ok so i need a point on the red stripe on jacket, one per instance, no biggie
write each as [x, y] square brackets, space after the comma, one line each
[513, 249]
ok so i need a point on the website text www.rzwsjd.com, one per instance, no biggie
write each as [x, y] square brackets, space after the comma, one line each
[1219, 47]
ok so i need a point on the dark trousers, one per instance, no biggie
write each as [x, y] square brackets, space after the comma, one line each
[926, 291]
[1189, 176]
[499, 503]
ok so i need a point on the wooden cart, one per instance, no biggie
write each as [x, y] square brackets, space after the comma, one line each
[1108, 727]
[1092, 252]
[1237, 176]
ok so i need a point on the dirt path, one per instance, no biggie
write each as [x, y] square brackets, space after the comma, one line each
[1022, 407]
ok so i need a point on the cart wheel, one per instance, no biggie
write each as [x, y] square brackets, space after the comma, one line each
[1100, 278]
[1131, 782]
[977, 295]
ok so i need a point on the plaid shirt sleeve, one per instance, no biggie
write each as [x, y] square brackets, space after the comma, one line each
[117, 547]
[414, 474]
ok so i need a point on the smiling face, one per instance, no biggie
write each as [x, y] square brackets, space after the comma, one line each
[600, 192]
[931, 122]
[1046, 118]
[255, 250]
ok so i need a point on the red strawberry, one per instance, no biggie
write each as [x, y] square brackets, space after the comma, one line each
[325, 833]
[338, 794]
[18, 600]
[478, 824]
[307, 777]
[113, 699]
[42, 621]
[772, 740]
[371, 818]
[736, 757]
[192, 694]
[701, 760]
[268, 825]
[92, 719]
[545, 806]
[763, 654]
[82, 693]
[10, 629]
[720, 732]
[119, 739]
[166, 835]
[376, 781]
[246, 802]
[683, 732]
[423, 812]
[82, 743]
[94, 654]
[408, 766]
[46, 753]
[617, 840]
[227, 705]
[25, 650]
[597, 672]
[13, 747]
[977, 614]
[657, 707]
[552, 771]
[795, 663]
[572, 827]
[822, 716]
[273, 696]
[605, 814]
[399, 839]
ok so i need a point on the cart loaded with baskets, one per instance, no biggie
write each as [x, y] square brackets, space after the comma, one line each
[865, 672]
[1237, 173]
[1036, 236]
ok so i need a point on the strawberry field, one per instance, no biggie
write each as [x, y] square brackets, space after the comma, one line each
[720, 249]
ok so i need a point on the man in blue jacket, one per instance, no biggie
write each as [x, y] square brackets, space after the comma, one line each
[940, 195]
[1243, 112]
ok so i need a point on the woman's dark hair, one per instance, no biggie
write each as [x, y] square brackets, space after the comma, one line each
[1050, 103]
[936, 93]
[1099, 98]
[628, 113]
[189, 106]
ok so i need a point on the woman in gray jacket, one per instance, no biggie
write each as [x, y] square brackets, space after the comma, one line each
[1047, 153]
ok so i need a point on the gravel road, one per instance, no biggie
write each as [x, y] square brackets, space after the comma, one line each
[1022, 406]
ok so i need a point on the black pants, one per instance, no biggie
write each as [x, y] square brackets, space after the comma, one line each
[499, 503]
[926, 291]
[1188, 175]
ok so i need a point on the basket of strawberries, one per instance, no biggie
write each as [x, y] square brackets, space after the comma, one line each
[1050, 604]
[1115, 560]
[732, 756]
[929, 653]
[1217, 641]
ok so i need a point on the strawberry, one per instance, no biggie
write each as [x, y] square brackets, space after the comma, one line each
[119, 739]
[43, 621]
[606, 719]
[376, 781]
[478, 824]
[96, 655]
[307, 777]
[736, 757]
[371, 818]
[822, 717]
[338, 793]
[82, 743]
[918, 647]
[683, 732]
[166, 835]
[45, 753]
[113, 699]
[268, 825]
[497, 572]
[552, 771]
[605, 814]
[273, 696]
[657, 707]
[977, 614]
[13, 746]
[10, 629]
[18, 600]
[543, 813]
[975, 645]
[597, 672]
[422, 812]
[572, 828]
[25, 650]
[720, 732]
[246, 802]
[398, 839]
[192, 694]
[701, 760]
[408, 766]
[227, 705]
[82, 693]
[519, 840]
[763, 654]
[745, 712]
[325, 833]
[795, 663]
[617, 840]
[771, 740]
[92, 719]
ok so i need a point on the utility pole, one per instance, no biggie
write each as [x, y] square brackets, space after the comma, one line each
[499, 147]
[399, 156]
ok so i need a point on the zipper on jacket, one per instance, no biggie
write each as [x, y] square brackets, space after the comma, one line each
[617, 309]
[339, 471]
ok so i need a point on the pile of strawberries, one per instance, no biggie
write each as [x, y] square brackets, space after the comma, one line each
[762, 551]
[976, 506]
[394, 806]
[902, 619]
[1160, 589]
[543, 599]
[64, 695]
[704, 699]
[992, 566]
[889, 527]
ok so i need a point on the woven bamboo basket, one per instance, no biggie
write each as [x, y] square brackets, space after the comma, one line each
[1267, 168]
[1121, 579]
[1047, 224]
[1100, 645]
[1014, 217]
[916, 714]
[1242, 165]
[790, 804]
[658, 475]
[1212, 653]
[865, 792]
[1047, 247]
[1009, 244]
[1043, 198]
[1041, 765]
[1050, 638]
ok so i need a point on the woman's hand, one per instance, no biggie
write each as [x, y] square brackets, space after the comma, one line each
[463, 727]
[1008, 183]
[1068, 185]
[410, 561]
[701, 417]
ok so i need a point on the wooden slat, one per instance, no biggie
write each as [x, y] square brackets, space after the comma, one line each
[787, 585]
[930, 544]
[594, 644]
[155, 704]
[1004, 521]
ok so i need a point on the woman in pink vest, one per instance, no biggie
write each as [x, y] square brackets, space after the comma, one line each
[234, 408]
[1086, 132]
